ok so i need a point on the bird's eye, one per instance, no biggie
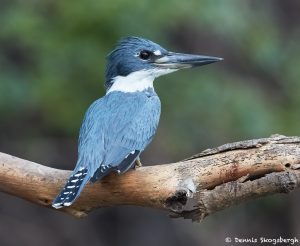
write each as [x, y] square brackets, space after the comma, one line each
[145, 54]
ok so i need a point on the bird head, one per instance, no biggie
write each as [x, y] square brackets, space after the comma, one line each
[136, 62]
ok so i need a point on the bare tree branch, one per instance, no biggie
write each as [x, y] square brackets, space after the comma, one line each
[194, 188]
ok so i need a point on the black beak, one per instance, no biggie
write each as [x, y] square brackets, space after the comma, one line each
[178, 61]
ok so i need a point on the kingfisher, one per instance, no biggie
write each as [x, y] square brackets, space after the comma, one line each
[118, 127]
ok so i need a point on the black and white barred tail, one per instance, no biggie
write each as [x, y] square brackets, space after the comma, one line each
[72, 189]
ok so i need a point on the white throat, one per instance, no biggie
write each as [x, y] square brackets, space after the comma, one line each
[137, 81]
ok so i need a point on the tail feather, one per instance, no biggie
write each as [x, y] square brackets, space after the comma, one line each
[72, 189]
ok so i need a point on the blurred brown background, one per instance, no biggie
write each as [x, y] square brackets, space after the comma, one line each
[52, 59]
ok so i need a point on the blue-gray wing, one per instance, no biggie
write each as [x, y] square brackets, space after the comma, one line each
[115, 130]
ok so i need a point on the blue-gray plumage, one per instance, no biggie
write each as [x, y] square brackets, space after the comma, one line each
[119, 126]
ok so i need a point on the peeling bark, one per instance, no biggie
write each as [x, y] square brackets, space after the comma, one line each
[193, 188]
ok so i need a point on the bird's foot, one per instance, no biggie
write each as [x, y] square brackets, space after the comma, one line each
[137, 163]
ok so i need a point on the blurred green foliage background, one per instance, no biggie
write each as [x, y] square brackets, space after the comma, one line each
[52, 61]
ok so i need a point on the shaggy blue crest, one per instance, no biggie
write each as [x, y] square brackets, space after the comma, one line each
[124, 59]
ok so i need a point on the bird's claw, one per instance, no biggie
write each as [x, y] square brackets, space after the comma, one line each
[137, 163]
